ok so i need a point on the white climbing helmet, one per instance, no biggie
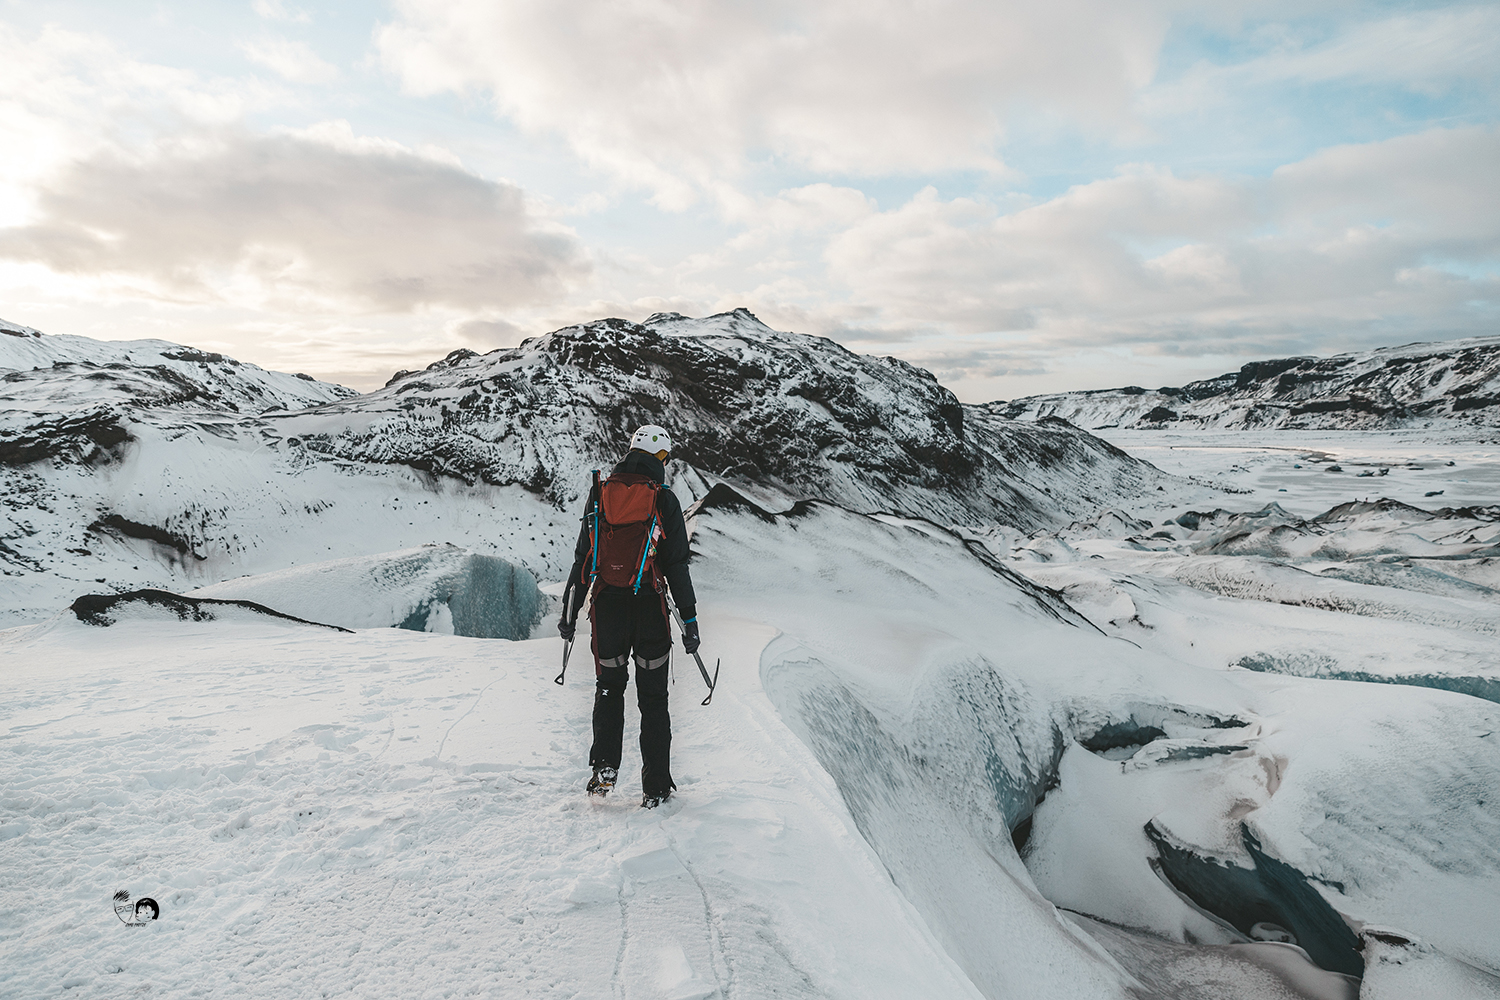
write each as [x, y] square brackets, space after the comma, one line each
[652, 439]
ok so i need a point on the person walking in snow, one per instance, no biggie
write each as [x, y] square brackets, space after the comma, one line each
[632, 547]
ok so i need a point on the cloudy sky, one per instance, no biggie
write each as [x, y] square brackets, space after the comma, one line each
[1023, 197]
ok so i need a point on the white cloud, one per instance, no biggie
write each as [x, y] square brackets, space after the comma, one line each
[134, 185]
[292, 60]
[275, 10]
[1349, 243]
[815, 206]
[684, 99]
[1428, 52]
[291, 221]
[678, 96]
[1437, 185]
[964, 266]
[64, 95]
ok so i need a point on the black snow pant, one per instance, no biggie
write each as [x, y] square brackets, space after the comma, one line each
[630, 626]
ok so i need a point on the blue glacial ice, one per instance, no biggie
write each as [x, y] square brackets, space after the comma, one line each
[432, 588]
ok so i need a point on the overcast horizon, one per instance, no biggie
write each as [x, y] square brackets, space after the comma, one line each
[1020, 198]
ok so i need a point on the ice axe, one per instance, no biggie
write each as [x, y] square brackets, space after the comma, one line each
[567, 643]
[701, 668]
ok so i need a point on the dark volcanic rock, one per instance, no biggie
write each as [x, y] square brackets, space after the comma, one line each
[104, 610]
[92, 437]
[117, 525]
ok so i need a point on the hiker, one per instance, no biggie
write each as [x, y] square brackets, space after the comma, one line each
[633, 545]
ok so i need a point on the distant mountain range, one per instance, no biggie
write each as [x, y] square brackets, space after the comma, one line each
[1417, 385]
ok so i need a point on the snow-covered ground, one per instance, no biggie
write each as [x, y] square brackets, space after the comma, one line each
[1230, 735]
[388, 813]
[919, 775]
[1258, 563]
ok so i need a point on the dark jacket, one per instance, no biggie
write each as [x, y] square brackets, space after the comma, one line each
[671, 554]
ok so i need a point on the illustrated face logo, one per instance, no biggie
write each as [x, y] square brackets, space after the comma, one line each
[142, 911]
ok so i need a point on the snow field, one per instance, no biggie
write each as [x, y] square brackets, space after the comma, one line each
[1399, 972]
[395, 812]
[390, 813]
[1378, 595]
[1245, 470]
[398, 814]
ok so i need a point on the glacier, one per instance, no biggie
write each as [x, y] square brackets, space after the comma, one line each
[1004, 710]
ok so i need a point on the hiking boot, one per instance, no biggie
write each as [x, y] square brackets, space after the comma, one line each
[602, 781]
[652, 801]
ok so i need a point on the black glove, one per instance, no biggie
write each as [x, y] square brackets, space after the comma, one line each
[690, 638]
[567, 624]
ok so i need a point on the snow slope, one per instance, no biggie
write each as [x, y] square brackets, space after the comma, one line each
[392, 812]
[1416, 385]
[432, 588]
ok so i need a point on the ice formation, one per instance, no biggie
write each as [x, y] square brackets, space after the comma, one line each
[432, 588]
[1383, 591]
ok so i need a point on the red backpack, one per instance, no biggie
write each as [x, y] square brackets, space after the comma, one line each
[624, 530]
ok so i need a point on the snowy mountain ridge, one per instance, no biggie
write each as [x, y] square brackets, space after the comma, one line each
[1414, 385]
[76, 398]
[17, 330]
[184, 377]
[787, 415]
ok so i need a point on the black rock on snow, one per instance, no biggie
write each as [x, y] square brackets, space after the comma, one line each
[104, 610]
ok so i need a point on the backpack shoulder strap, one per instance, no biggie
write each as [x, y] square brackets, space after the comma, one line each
[593, 515]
